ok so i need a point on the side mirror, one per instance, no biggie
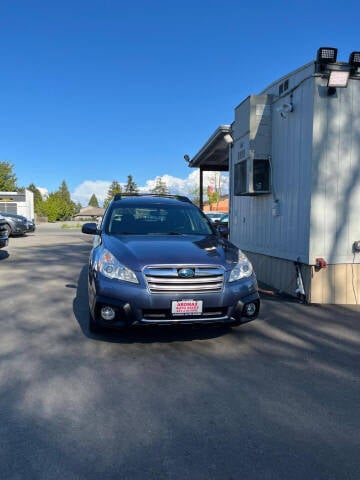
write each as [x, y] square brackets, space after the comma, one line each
[90, 228]
[223, 230]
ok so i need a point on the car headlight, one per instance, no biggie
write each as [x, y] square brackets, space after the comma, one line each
[242, 269]
[110, 267]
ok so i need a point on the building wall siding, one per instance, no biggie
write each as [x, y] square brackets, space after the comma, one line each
[315, 158]
[336, 284]
[335, 205]
[253, 225]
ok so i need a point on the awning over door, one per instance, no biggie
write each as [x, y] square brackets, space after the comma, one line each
[214, 155]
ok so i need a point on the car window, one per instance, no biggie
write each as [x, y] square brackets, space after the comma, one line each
[165, 219]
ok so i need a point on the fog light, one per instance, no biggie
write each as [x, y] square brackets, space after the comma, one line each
[107, 313]
[250, 309]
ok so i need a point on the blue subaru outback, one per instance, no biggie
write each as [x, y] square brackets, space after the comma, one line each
[159, 260]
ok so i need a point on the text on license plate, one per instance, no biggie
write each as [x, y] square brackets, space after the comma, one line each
[186, 307]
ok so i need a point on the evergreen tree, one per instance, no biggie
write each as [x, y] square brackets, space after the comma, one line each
[160, 187]
[64, 192]
[7, 178]
[59, 205]
[131, 186]
[114, 188]
[36, 192]
[93, 202]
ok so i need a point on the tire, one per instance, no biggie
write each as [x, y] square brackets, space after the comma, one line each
[8, 230]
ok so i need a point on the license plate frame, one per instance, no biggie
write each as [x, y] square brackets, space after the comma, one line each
[186, 307]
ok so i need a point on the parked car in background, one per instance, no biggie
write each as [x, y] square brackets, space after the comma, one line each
[15, 224]
[214, 216]
[160, 260]
[4, 238]
[223, 220]
[31, 227]
[222, 225]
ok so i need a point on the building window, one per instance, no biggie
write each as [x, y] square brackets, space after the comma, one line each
[261, 176]
[252, 177]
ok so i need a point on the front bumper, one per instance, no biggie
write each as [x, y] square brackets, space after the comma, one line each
[19, 230]
[134, 305]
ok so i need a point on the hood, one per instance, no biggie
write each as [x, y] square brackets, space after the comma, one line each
[138, 251]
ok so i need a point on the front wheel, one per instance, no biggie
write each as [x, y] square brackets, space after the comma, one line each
[8, 230]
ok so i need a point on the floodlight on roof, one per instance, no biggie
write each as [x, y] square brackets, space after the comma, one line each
[326, 55]
[338, 78]
[354, 59]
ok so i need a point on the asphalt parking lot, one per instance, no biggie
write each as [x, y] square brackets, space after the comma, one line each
[278, 398]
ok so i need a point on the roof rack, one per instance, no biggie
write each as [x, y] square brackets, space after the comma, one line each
[119, 196]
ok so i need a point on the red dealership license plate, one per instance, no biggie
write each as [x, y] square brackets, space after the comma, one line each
[186, 307]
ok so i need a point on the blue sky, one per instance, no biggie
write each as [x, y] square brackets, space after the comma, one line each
[92, 91]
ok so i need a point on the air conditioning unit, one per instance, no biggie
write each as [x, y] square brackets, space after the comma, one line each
[252, 146]
[252, 177]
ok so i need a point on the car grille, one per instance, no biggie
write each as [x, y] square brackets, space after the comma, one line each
[206, 279]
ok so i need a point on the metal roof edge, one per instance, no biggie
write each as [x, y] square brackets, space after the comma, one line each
[284, 77]
[215, 137]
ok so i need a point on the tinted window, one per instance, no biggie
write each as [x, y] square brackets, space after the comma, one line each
[156, 219]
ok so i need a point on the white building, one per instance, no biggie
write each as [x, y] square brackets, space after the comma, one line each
[294, 165]
[21, 203]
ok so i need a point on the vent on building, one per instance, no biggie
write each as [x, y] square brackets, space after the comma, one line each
[283, 87]
[252, 177]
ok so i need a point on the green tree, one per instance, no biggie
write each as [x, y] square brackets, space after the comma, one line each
[213, 195]
[68, 206]
[7, 177]
[160, 187]
[59, 206]
[114, 188]
[53, 207]
[64, 192]
[93, 202]
[131, 186]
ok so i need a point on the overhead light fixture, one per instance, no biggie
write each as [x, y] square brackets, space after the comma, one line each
[354, 59]
[228, 138]
[338, 78]
[326, 55]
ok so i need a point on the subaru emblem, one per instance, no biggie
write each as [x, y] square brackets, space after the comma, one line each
[186, 273]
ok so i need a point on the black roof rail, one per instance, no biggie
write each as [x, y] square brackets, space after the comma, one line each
[119, 196]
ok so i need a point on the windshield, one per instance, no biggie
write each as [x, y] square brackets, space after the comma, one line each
[157, 220]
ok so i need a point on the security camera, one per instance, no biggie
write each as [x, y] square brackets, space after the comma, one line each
[284, 109]
[187, 158]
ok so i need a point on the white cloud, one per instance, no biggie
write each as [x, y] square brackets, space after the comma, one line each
[44, 192]
[83, 192]
[180, 186]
